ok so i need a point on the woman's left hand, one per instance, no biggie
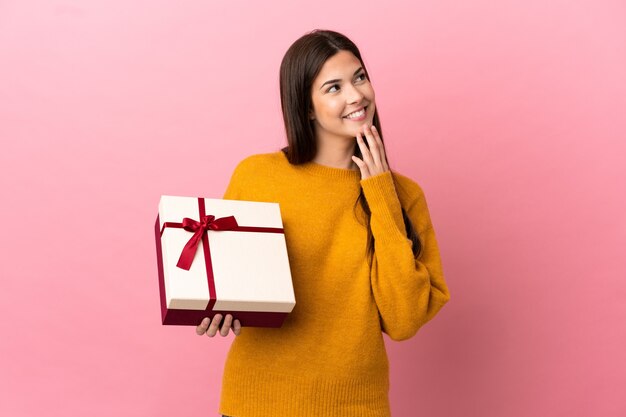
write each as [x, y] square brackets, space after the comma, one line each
[374, 159]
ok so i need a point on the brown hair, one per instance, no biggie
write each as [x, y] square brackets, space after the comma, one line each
[300, 66]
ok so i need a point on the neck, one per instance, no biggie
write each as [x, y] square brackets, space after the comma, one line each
[336, 153]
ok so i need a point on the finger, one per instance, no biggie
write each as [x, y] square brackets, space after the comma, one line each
[367, 157]
[237, 327]
[228, 321]
[373, 147]
[381, 147]
[201, 328]
[214, 325]
[362, 167]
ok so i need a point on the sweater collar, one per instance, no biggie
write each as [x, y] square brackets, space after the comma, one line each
[326, 171]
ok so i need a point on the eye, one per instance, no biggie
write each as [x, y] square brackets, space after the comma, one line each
[337, 85]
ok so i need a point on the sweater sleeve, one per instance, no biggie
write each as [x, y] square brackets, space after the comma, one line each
[408, 292]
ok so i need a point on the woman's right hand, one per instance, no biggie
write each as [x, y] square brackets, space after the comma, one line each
[209, 326]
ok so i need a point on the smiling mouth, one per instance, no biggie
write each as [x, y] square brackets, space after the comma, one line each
[364, 111]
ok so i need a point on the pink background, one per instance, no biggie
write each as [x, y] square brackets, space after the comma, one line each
[509, 114]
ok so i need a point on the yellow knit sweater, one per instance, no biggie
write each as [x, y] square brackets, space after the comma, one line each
[329, 358]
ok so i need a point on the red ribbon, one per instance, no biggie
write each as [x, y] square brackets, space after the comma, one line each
[201, 227]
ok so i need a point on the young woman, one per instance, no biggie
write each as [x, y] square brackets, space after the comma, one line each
[362, 248]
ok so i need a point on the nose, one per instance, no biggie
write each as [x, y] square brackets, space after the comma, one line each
[353, 95]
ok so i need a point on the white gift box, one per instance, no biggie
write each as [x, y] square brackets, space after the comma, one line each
[242, 269]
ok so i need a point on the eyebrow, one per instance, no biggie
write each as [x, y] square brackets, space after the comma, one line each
[337, 80]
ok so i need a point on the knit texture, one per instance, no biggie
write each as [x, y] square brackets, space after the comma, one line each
[329, 358]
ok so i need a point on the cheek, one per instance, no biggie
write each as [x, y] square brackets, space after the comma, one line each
[370, 93]
[333, 108]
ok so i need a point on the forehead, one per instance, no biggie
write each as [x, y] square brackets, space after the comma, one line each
[339, 66]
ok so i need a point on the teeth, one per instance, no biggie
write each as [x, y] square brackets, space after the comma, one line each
[356, 114]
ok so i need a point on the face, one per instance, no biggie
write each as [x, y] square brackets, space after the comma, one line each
[340, 89]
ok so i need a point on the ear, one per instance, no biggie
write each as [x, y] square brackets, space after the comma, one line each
[311, 115]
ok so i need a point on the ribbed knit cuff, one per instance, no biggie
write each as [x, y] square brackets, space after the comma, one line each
[387, 221]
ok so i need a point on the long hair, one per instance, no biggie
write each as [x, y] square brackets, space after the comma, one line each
[300, 66]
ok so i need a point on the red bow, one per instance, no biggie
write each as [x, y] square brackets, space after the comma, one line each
[199, 228]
